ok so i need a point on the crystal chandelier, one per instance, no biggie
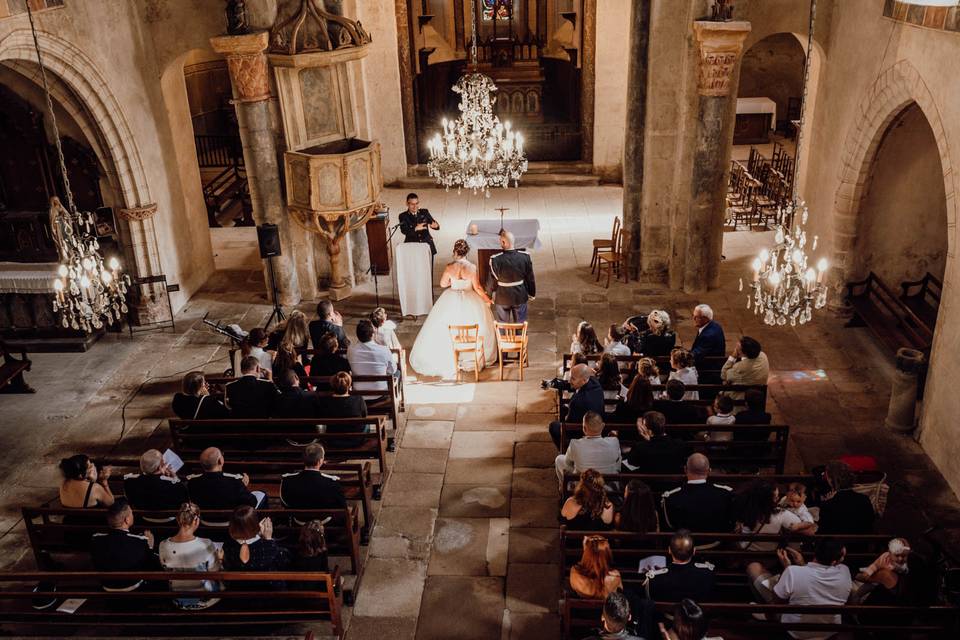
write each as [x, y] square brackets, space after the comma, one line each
[88, 294]
[476, 151]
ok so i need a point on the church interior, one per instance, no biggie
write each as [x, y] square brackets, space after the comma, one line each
[676, 369]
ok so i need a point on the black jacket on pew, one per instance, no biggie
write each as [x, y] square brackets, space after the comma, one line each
[120, 550]
[699, 505]
[198, 407]
[673, 583]
[680, 412]
[320, 328]
[154, 492]
[311, 489]
[294, 402]
[219, 490]
[250, 397]
[660, 454]
[848, 512]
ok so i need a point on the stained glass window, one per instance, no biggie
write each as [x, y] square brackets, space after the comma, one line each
[501, 8]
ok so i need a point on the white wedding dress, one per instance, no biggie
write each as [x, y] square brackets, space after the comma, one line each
[432, 352]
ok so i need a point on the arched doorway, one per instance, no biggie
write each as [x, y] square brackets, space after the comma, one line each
[773, 68]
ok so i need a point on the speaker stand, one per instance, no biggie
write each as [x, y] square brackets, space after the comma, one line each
[277, 309]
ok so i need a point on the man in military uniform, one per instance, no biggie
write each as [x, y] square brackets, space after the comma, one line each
[415, 223]
[311, 488]
[510, 281]
[214, 489]
[120, 550]
[682, 577]
[699, 505]
[249, 396]
[156, 487]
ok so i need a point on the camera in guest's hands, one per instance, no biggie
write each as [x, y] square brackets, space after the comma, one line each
[556, 383]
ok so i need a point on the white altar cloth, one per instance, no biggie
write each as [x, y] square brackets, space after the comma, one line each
[27, 277]
[414, 281]
[759, 105]
[526, 232]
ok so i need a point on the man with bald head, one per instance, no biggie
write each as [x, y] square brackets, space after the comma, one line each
[699, 505]
[510, 281]
[214, 489]
[587, 396]
[682, 577]
[156, 487]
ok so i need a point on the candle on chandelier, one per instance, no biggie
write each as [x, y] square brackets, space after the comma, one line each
[757, 265]
[821, 269]
[775, 278]
[811, 277]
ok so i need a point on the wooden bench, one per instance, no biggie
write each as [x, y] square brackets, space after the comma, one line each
[310, 597]
[266, 476]
[925, 301]
[707, 393]
[271, 439]
[400, 357]
[877, 307]
[709, 363]
[49, 535]
[660, 482]
[725, 454]
[11, 371]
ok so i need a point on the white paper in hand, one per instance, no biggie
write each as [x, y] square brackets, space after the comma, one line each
[173, 461]
[71, 604]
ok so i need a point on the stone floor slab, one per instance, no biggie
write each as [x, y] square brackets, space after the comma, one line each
[535, 454]
[465, 608]
[421, 460]
[523, 626]
[533, 588]
[486, 417]
[479, 471]
[403, 532]
[364, 628]
[413, 490]
[427, 434]
[470, 547]
[534, 512]
[535, 483]
[532, 545]
[391, 588]
[481, 444]
[475, 501]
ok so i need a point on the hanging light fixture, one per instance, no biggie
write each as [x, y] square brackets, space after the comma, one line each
[88, 293]
[785, 288]
[476, 151]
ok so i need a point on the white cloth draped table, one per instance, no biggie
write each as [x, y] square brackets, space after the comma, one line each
[414, 282]
[759, 105]
[526, 232]
[27, 277]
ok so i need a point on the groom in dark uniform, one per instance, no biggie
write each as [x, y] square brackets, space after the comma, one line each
[510, 281]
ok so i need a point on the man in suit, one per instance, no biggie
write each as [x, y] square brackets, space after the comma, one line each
[682, 577]
[120, 550]
[587, 396]
[294, 402]
[846, 511]
[674, 409]
[592, 451]
[156, 487]
[510, 281]
[310, 488]
[710, 342]
[214, 489]
[249, 396]
[328, 321]
[656, 452]
[415, 223]
[699, 505]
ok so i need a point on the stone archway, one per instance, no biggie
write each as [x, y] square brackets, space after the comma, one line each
[895, 89]
[74, 68]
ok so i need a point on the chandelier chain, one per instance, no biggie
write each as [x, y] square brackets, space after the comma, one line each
[473, 32]
[803, 99]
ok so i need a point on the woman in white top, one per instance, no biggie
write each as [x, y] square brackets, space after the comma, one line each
[758, 512]
[186, 552]
[585, 340]
[385, 329]
[681, 361]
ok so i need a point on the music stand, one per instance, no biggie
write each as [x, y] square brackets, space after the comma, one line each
[277, 309]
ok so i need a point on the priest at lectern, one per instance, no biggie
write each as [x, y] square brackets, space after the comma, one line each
[415, 224]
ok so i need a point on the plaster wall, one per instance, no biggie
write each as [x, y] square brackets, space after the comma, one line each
[610, 93]
[773, 68]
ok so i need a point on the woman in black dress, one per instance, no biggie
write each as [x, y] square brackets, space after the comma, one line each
[194, 402]
[311, 552]
[588, 509]
[328, 361]
[251, 547]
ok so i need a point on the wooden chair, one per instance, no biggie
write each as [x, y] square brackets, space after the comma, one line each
[511, 338]
[466, 338]
[604, 245]
[613, 261]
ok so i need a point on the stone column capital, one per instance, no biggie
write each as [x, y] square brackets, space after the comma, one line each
[719, 44]
[138, 214]
[247, 61]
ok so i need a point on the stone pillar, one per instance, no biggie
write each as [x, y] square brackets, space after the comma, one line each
[151, 305]
[249, 76]
[633, 145]
[719, 45]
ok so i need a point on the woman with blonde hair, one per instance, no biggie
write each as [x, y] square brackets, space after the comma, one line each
[184, 551]
[656, 339]
[588, 509]
[594, 577]
[682, 363]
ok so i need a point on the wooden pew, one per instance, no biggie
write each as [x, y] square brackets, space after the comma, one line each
[733, 453]
[310, 597]
[12, 370]
[925, 301]
[709, 363]
[49, 535]
[400, 357]
[659, 483]
[266, 476]
[707, 393]
[877, 307]
[240, 438]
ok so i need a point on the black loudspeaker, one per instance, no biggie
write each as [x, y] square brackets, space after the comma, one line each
[268, 237]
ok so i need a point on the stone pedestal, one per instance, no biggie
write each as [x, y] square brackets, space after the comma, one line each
[247, 61]
[901, 412]
[719, 45]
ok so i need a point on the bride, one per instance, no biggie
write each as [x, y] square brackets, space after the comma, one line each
[464, 302]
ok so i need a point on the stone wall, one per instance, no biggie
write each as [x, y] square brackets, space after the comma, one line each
[610, 93]
[773, 68]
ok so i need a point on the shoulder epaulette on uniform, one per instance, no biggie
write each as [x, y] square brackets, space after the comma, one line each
[667, 494]
[99, 534]
[723, 486]
[291, 474]
[174, 479]
[231, 382]
[653, 573]
[327, 475]
[704, 565]
[134, 535]
[194, 476]
[131, 476]
[496, 255]
[237, 476]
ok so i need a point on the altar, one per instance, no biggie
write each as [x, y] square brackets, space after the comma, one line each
[486, 242]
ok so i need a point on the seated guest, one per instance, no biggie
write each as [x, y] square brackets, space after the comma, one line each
[328, 360]
[655, 452]
[294, 331]
[614, 342]
[120, 550]
[585, 340]
[709, 343]
[689, 623]
[638, 513]
[699, 505]
[194, 401]
[637, 401]
[659, 339]
[575, 359]
[83, 487]
[674, 409]
[248, 396]
[825, 581]
[608, 375]
[287, 359]
[156, 487]
[214, 489]
[681, 361]
[340, 403]
[294, 402]
[384, 329]
[753, 413]
[747, 365]
[881, 582]
[184, 551]
[254, 345]
[846, 511]
[682, 577]
[311, 554]
[328, 321]
[795, 501]
[594, 576]
[757, 509]
[616, 619]
[251, 546]
[587, 396]
[647, 368]
[588, 509]
[310, 488]
[722, 414]
[367, 358]
[592, 451]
